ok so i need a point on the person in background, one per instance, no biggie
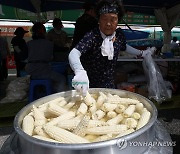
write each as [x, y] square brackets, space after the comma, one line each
[4, 52]
[40, 54]
[85, 23]
[20, 49]
[60, 39]
[174, 44]
[94, 58]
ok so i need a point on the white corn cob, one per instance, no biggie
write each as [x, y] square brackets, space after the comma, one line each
[39, 131]
[54, 101]
[82, 109]
[120, 108]
[96, 123]
[115, 129]
[77, 98]
[146, 115]
[116, 120]
[28, 125]
[102, 94]
[131, 123]
[109, 95]
[129, 111]
[65, 116]
[39, 117]
[82, 126]
[103, 138]
[93, 108]
[126, 132]
[45, 138]
[139, 107]
[63, 135]
[106, 107]
[90, 137]
[56, 110]
[116, 100]
[69, 124]
[111, 114]
[100, 100]
[69, 105]
[99, 114]
[62, 103]
[136, 115]
[89, 99]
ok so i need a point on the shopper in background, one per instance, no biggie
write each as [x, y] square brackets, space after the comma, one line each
[85, 23]
[60, 39]
[20, 49]
[4, 52]
[174, 44]
[40, 54]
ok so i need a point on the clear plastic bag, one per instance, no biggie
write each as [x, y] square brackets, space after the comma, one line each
[17, 90]
[156, 85]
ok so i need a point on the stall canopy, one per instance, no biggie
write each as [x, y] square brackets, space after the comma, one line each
[140, 6]
[166, 11]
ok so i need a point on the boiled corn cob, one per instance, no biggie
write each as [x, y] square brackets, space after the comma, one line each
[63, 135]
[99, 114]
[28, 125]
[131, 123]
[120, 108]
[136, 115]
[56, 110]
[90, 137]
[146, 115]
[89, 99]
[69, 124]
[39, 131]
[69, 105]
[82, 109]
[115, 129]
[129, 111]
[96, 123]
[45, 138]
[65, 116]
[139, 107]
[106, 107]
[62, 103]
[126, 132]
[103, 138]
[116, 120]
[39, 117]
[111, 114]
[82, 126]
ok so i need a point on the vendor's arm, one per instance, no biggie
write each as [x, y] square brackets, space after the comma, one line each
[80, 81]
[137, 52]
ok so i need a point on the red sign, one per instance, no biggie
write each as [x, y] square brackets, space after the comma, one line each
[9, 30]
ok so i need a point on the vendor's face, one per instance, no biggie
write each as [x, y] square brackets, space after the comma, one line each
[108, 23]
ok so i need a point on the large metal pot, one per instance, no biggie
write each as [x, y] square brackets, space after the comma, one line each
[30, 145]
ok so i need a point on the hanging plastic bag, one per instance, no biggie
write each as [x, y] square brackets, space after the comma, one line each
[156, 85]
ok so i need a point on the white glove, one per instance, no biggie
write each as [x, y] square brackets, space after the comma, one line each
[81, 82]
[148, 51]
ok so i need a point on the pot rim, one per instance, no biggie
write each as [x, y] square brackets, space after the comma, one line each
[93, 145]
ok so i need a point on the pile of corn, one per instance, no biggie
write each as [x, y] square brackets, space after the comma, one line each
[77, 119]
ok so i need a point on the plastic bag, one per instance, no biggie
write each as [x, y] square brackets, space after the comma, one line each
[156, 86]
[17, 90]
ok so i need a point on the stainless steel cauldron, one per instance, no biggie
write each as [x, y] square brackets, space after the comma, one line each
[30, 145]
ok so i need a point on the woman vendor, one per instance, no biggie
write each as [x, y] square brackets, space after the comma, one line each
[94, 58]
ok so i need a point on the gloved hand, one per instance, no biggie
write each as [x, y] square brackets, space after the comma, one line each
[148, 51]
[81, 82]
